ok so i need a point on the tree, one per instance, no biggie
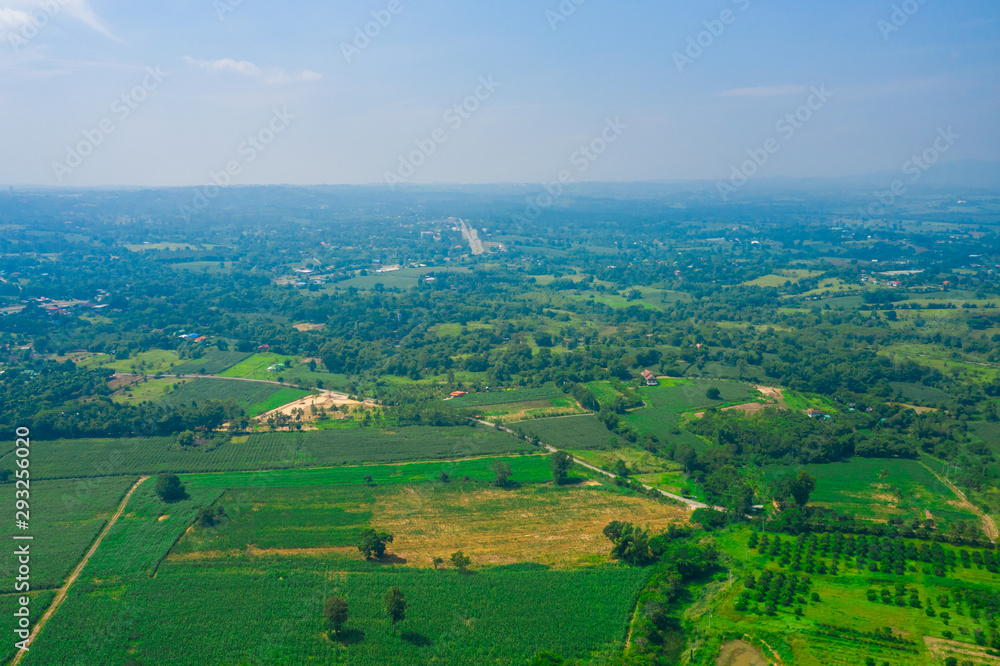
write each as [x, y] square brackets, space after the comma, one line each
[185, 438]
[206, 517]
[395, 606]
[561, 462]
[6, 475]
[437, 561]
[368, 479]
[460, 561]
[169, 487]
[502, 472]
[335, 612]
[373, 543]
[801, 487]
[713, 394]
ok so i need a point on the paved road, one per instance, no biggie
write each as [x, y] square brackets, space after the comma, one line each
[61, 595]
[690, 503]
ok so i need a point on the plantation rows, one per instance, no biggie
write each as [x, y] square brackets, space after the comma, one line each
[66, 517]
[980, 604]
[200, 390]
[877, 554]
[212, 363]
[504, 397]
[73, 458]
[270, 613]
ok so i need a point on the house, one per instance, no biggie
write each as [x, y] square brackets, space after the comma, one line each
[201, 338]
[649, 377]
[814, 413]
[457, 394]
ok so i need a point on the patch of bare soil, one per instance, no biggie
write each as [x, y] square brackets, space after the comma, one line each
[740, 653]
[308, 327]
[942, 648]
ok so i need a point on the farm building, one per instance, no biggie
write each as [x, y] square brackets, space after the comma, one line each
[816, 414]
[457, 394]
[649, 377]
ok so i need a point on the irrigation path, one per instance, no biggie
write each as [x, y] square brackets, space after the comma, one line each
[61, 595]
[690, 503]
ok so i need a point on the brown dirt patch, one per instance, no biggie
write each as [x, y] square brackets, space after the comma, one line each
[162, 518]
[308, 327]
[740, 653]
[549, 526]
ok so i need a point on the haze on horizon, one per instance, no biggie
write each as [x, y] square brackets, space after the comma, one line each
[104, 92]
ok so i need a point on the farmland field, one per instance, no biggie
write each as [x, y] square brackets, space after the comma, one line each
[255, 397]
[67, 458]
[571, 432]
[212, 363]
[920, 394]
[503, 397]
[854, 487]
[66, 518]
[268, 611]
[836, 626]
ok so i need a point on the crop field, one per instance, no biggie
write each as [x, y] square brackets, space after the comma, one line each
[40, 600]
[504, 397]
[150, 362]
[845, 623]
[544, 524]
[212, 363]
[647, 468]
[92, 457]
[151, 390]
[256, 398]
[269, 612]
[256, 367]
[571, 432]
[920, 394]
[909, 489]
[66, 517]
[673, 397]
[605, 392]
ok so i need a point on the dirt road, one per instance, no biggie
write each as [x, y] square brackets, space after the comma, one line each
[989, 527]
[61, 595]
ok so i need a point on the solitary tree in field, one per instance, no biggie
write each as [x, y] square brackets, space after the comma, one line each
[713, 394]
[373, 543]
[802, 486]
[395, 606]
[368, 479]
[561, 463]
[460, 561]
[437, 561]
[185, 438]
[335, 612]
[169, 487]
[502, 472]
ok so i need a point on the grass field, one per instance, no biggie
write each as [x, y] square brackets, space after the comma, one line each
[151, 390]
[256, 367]
[572, 432]
[854, 487]
[66, 517]
[66, 458]
[920, 394]
[505, 397]
[647, 468]
[151, 362]
[829, 632]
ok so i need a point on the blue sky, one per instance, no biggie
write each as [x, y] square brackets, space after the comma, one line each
[223, 71]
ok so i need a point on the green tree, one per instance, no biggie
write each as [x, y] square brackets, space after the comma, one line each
[561, 462]
[395, 606]
[713, 394]
[372, 542]
[460, 561]
[335, 612]
[185, 438]
[437, 561]
[502, 472]
[206, 517]
[801, 487]
[169, 487]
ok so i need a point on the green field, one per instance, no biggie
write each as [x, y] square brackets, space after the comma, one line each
[570, 432]
[920, 394]
[212, 363]
[854, 487]
[66, 517]
[150, 362]
[256, 367]
[255, 397]
[505, 397]
[268, 612]
[151, 390]
[836, 628]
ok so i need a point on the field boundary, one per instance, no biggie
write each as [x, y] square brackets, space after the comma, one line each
[989, 527]
[64, 590]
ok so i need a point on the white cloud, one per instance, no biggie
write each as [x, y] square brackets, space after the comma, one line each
[764, 91]
[271, 75]
[23, 11]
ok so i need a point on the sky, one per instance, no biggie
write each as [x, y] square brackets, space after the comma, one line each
[191, 92]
